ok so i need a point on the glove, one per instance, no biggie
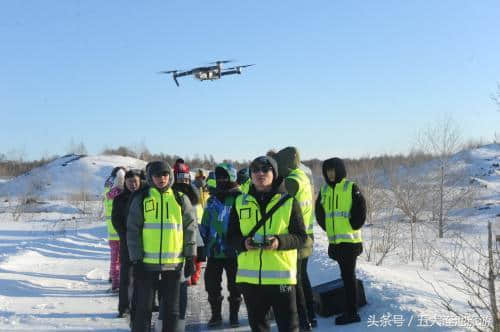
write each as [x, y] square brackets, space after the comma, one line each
[331, 252]
[138, 270]
[200, 254]
[189, 267]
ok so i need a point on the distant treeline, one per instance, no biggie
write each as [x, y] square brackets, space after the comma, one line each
[206, 162]
[10, 168]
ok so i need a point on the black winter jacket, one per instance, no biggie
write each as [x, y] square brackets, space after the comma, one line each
[296, 236]
[358, 210]
[119, 212]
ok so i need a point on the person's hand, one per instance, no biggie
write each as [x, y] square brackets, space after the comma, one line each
[189, 267]
[274, 243]
[332, 253]
[249, 244]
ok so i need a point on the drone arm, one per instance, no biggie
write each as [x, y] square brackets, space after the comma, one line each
[230, 72]
[184, 73]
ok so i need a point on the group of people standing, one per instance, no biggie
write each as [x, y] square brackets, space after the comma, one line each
[255, 224]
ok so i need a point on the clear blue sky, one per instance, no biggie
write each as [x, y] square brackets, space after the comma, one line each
[334, 78]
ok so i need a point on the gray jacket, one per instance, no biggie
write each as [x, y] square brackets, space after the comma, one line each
[135, 224]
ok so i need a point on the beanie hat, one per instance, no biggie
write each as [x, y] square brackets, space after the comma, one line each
[225, 170]
[265, 161]
[181, 172]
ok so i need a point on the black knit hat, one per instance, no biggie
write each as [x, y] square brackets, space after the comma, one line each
[265, 161]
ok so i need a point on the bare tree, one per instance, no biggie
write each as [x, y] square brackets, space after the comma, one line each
[441, 140]
[410, 194]
[385, 237]
[82, 199]
[76, 148]
[366, 176]
[478, 269]
[426, 251]
[496, 97]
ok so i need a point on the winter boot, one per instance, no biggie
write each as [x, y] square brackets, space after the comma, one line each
[123, 313]
[234, 308]
[270, 315]
[216, 306]
[305, 326]
[347, 318]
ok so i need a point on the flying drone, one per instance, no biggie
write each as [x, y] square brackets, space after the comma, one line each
[211, 73]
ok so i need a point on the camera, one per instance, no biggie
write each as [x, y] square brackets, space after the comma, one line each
[262, 243]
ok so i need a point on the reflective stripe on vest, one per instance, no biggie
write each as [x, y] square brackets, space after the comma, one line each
[354, 236]
[162, 233]
[164, 255]
[164, 226]
[264, 274]
[264, 266]
[338, 214]
[108, 210]
[337, 203]
[304, 197]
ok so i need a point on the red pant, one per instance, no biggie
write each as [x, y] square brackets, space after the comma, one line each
[114, 264]
[197, 273]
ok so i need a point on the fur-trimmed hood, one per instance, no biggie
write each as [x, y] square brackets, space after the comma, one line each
[340, 171]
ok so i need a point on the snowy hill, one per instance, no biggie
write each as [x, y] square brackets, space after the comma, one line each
[67, 176]
[484, 166]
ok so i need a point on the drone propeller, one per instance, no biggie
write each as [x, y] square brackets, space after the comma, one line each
[168, 72]
[221, 61]
[239, 67]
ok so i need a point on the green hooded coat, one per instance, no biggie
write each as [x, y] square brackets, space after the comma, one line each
[288, 159]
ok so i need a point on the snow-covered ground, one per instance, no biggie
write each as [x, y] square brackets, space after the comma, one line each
[54, 258]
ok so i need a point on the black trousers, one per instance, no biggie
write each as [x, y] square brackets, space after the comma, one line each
[259, 298]
[213, 277]
[347, 264]
[144, 294]
[125, 279]
[305, 306]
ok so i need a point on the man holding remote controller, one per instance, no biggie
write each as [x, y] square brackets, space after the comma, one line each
[266, 228]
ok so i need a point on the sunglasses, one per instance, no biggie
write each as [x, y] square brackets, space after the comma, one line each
[263, 169]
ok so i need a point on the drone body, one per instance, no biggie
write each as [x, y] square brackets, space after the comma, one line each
[211, 73]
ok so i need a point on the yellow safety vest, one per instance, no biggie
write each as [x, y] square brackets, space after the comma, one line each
[263, 266]
[337, 205]
[204, 196]
[162, 235]
[108, 209]
[304, 197]
[245, 186]
[199, 212]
